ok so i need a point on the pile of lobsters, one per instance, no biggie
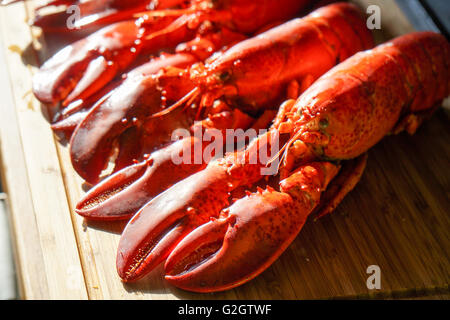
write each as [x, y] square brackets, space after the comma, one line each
[314, 81]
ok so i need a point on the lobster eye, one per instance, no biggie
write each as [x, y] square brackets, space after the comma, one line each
[224, 76]
[323, 123]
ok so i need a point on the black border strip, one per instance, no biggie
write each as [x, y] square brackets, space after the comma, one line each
[417, 15]
[438, 10]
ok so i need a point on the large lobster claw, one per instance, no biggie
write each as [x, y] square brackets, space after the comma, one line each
[155, 230]
[92, 141]
[249, 235]
[68, 118]
[122, 194]
[128, 106]
[82, 68]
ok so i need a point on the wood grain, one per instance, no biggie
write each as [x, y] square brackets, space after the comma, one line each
[60, 260]
[28, 253]
[396, 218]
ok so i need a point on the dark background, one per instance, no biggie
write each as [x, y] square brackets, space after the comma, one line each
[428, 14]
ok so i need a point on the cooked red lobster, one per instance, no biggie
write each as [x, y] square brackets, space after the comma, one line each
[209, 40]
[215, 242]
[251, 76]
[81, 69]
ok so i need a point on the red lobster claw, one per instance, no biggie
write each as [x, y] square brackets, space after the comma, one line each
[129, 105]
[155, 230]
[84, 67]
[249, 235]
[125, 192]
[68, 125]
[122, 194]
[92, 141]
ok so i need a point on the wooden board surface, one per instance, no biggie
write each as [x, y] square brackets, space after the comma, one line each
[396, 218]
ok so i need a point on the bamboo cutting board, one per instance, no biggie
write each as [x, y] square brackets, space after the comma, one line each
[396, 218]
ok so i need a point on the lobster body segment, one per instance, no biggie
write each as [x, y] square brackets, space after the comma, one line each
[357, 103]
[284, 53]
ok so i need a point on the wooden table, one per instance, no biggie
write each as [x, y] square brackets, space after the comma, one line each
[396, 218]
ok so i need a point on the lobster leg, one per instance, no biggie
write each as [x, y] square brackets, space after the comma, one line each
[341, 185]
[248, 236]
[68, 125]
[411, 122]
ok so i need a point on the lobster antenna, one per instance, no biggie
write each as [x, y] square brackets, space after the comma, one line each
[285, 149]
[175, 25]
[277, 155]
[187, 99]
